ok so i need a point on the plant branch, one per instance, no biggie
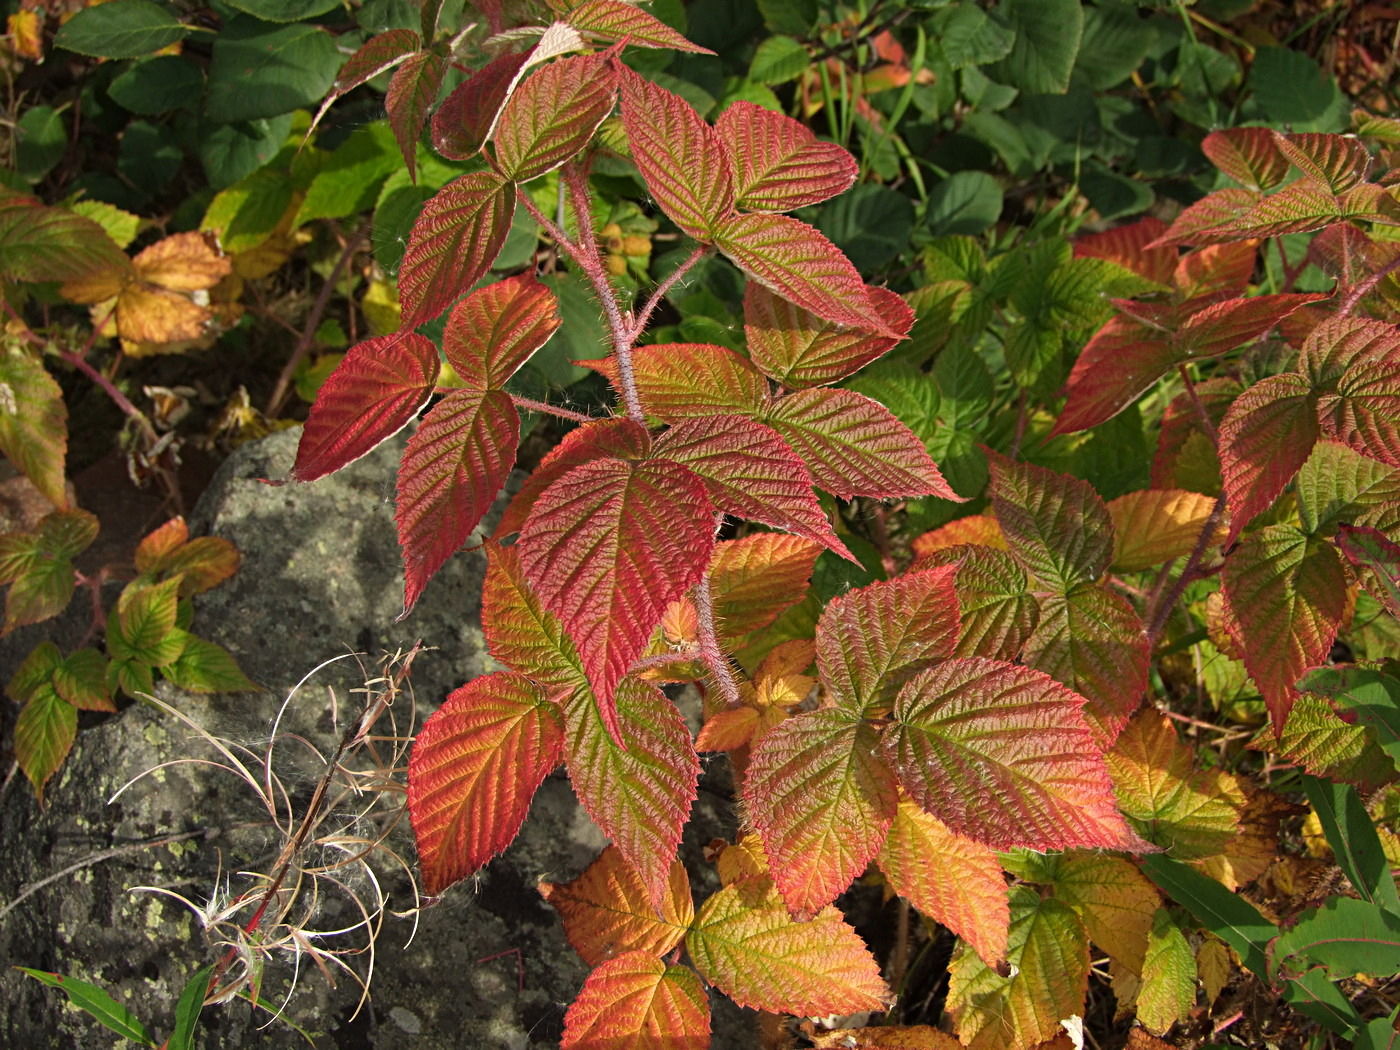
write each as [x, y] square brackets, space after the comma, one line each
[1158, 614]
[313, 321]
[531, 405]
[1202, 416]
[1367, 286]
[644, 315]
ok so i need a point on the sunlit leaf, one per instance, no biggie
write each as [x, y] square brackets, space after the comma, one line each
[1057, 525]
[1156, 525]
[800, 349]
[755, 578]
[464, 121]
[1265, 437]
[1168, 976]
[637, 1002]
[496, 329]
[618, 20]
[779, 164]
[455, 240]
[552, 114]
[685, 380]
[1114, 901]
[412, 92]
[1250, 156]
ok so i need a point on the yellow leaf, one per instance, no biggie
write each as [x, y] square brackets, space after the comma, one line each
[1214, 967]
[1250, 853]
[1115, 901]
[150, 315]
[741, 860]
[26, 32]
[380, 305]
[1156, 525]
[96, 287]
[981, 529]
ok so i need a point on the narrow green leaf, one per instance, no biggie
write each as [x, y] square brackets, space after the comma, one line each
[95, 1001]
[1227, 915]
[1354, 841]
[187, 1010]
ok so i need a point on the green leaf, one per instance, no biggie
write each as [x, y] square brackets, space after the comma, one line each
[1355, 844]
[40, 141]
[870, 224]
[33, 422]
[777, 60]
[1375, 697]
[158, 85]
[1293, 89]
[143, 625]
[50, 244]
[1346, 936]
[1230, 917]
[970, 37]
[121, 29]
[259, 71]
[44, 734]
[1047, 40]
[284, 10]
[1116, 40]
[247, 213]
[231, 151]
[39, 566]
[203, 667]
[96, 1002]
[188, 1009]
[1168, 976]
[1337, 484]
[967, 202]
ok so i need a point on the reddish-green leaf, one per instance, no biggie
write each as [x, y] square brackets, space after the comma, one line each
[798, 263]
[610, 545]
[745, 943]
[203, 667]
[379, 385]
[1338, 484]
[496, 329]
[872, 640]
[1316, 738]
[1128, 247]
[1211, 220]
[376, 55]
[1003, 755]
[33, 422]
[412, 92]
[463, 122]
[1048, 959]
[1168, 976]
[1057, 525]
[1092, 640]
[1285, 594]
[1265, 437]
[1215, 272]
[552, 114]
[619, 20]
[751, 472]
[639, 792]
[204, 562]
[754, 579]
[44, 734]
[455, 240]
[779, 164]
[474, 768]
[38, 565]
[520, 632]
[1299, 207]
[1115, 901]
[854, 446]
[1340, 345]
[144, 627]
[1189, 812]
[453, 467]
[1122, 360]
[607, 910]
[637, 1002]
[619, 437]
[949, 878]
[1250, 156]
[680, 380]
[800, 349]
[681, 158]
[821, 798]
[81, 679]
[1377, 560]
[1185, 457]
[1225, 325]
[50, 244]
[1354, 365]
[995, 606]
[1335, 162]
[1157, 525]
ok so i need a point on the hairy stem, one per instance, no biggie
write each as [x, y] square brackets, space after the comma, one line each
[531, 405]
[644, 314]
[1158, 614]
[710, 651]
[1365, 288]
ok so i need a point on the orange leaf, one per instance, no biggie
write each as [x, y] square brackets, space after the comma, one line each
[980, 529]
[185, 262]
[637, 1002]
[607, 910]
[1155, 525]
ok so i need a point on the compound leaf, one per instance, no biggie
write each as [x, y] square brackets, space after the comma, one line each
[475, 766]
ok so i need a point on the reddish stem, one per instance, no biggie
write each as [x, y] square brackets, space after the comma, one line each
[531, 405]
[1159, 614]
[1365, 288]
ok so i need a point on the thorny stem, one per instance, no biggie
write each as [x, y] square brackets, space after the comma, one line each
[644, 315]
[531, 405]
[354, 733]
[1158, 615]
[710, 650]
[1365, 288]
[313, 322]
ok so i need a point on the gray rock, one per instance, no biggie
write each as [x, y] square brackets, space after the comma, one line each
[487, 967]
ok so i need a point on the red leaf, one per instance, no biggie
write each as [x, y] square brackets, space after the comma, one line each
[455, 240]
[1128, 247]
[754, 579]
[1211, 220]
[1116, 366]
[1217, 271]
[855, 447]
[779, 164]
[751, 472]
[412, 92]
[799, 349]
[681, 158]
[376, 55]
[1285, 596]
[639, 791]
[1226, 325]
[619, 20]
[464, 121]
[949, 878]
[1354, 364]
[610, 545]
[821, 798]
[1334, 162]
[872, 640]
[620, 438]
[520, 632]
[746, 945]
[1057, 525]
[1093, 641]
[801, 265]
[1299, 207]
[1250, 156]
[607, 910]
[376, 389]
[637, 1002]
[1265, 438]
[1339, 344]
[1376, 561]
[552, 115]
[680, 380]
[493, 331]
[453, 467]
[1002, 755]
[473, 770]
